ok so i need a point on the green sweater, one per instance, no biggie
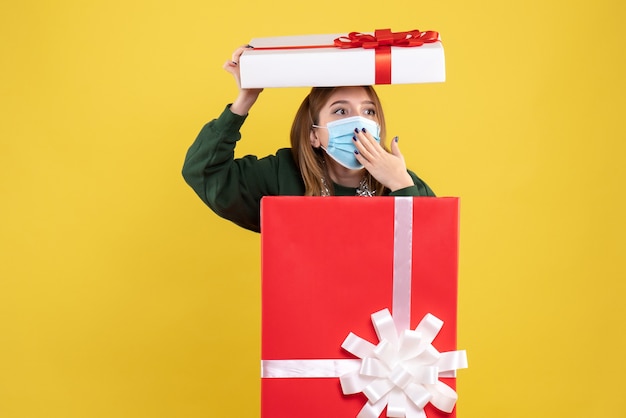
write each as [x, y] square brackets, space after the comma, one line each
[233, 187]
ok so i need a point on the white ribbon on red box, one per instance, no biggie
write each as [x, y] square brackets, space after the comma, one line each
[402, 371]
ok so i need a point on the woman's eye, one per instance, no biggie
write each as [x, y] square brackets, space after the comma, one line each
[340, 111]
[370, 112]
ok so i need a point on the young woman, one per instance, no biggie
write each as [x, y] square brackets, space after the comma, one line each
[337, 149]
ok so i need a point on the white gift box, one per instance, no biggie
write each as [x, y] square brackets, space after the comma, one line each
[314, 61]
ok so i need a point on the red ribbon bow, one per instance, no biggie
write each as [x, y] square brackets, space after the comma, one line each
[385, 37]
[382, 41]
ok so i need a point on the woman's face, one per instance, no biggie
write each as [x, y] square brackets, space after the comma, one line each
[345, 102]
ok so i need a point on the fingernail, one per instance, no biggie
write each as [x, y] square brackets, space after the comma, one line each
[234, 62]
[356, 151]
[356, 130]
[354, 138]
[396, 139]
[363, 130]
[249, 46]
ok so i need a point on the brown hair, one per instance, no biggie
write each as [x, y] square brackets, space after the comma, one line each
[310, 160]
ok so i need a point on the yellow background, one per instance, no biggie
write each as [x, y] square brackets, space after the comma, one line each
[121, 295]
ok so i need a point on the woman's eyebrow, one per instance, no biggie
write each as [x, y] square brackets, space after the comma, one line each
[347, 101]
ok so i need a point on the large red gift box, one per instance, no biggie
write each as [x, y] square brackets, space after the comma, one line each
[328, 265]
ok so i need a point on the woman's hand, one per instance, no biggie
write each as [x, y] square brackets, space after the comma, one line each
[246, 97]
[388, 168]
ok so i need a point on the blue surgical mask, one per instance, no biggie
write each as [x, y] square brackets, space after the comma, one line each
[340, 143]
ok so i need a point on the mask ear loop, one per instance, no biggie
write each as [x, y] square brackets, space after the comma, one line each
[311, 119]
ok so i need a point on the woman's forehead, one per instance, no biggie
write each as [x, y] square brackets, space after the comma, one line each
[349, 94]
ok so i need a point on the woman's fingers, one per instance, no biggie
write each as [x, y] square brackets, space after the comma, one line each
[367, 145]
[387, 167]
[395, 148]
[237, 54]
[232, 65]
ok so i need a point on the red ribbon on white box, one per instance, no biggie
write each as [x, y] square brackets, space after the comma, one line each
[381, 42]
[402, 371]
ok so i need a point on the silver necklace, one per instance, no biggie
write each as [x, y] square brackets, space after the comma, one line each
[363, 189]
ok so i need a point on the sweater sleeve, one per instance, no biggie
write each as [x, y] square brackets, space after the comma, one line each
[419, 188]
[231, 187]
